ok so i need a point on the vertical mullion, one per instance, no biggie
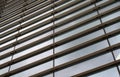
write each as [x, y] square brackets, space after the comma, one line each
[53, 37]
[17, 36]
[101, 22]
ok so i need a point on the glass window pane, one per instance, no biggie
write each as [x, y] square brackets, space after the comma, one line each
[6, 51]
[78, 41]
[115, 39]
[117, 54]
[101, 2]
[5, 60]
[32, 59]
[34, 48]
[49, 75]
[111, 16]
[81, 19]
[34, 70]
[4, 70]
[109, 6]
[81, 52]
[36, 31]
[113, 27]
[112, 72]
[84, 66]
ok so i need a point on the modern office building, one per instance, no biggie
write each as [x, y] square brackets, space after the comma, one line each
[59, 38]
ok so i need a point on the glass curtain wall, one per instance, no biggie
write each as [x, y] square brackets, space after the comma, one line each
[60, 38]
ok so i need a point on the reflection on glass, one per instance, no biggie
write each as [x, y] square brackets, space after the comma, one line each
[8, 43]
[10, 29]
[111, 16]
[113, 27]
[109, 6]
[5, 60]
[84, 66]
[75, 31]
[112, 72]
[101, 2]
[4, 70]
[81, 19]
[36, 31]
[49, 75]
[81, 52]
[36, 39]
[34, 70]
[117, 54]
[34, 48]
[78, 41]
[115, 39]
[32, 59]
[6, 51]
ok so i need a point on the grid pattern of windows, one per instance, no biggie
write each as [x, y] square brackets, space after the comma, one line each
[60, 38]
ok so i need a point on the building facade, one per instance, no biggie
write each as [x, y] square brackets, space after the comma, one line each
[59, 38]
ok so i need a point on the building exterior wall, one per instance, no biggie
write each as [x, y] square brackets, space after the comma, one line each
[60, 38]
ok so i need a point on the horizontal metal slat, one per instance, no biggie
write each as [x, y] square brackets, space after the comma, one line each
[66, 21]
[93, 29]
[16, 12]
[105, 66]
[4, 19]
[29, 16]
[68, 12]
[15, 6]
[40, 18]
[90, 42]
[49, 46]
[15, 20]
[97, 16]
[98, 69]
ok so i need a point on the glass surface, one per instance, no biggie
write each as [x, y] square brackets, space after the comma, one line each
[111, 16]
[49, 75]
[117, 54]
[74, 6]
[5, 60]
[81, 52]
[84, 66]
[109, 6]
[9, 42]
[37, 31]
[6, 51]
[4, 70]
[31, 60]
[9, 29]
[34, 48]
[115, 39]
[101, 2]
[74, 69]
[35, 39]
[75, 31]
[112, 27]
[34, 70]
[36, 19]
[112, 72]
[81, 19]
[78, 41]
